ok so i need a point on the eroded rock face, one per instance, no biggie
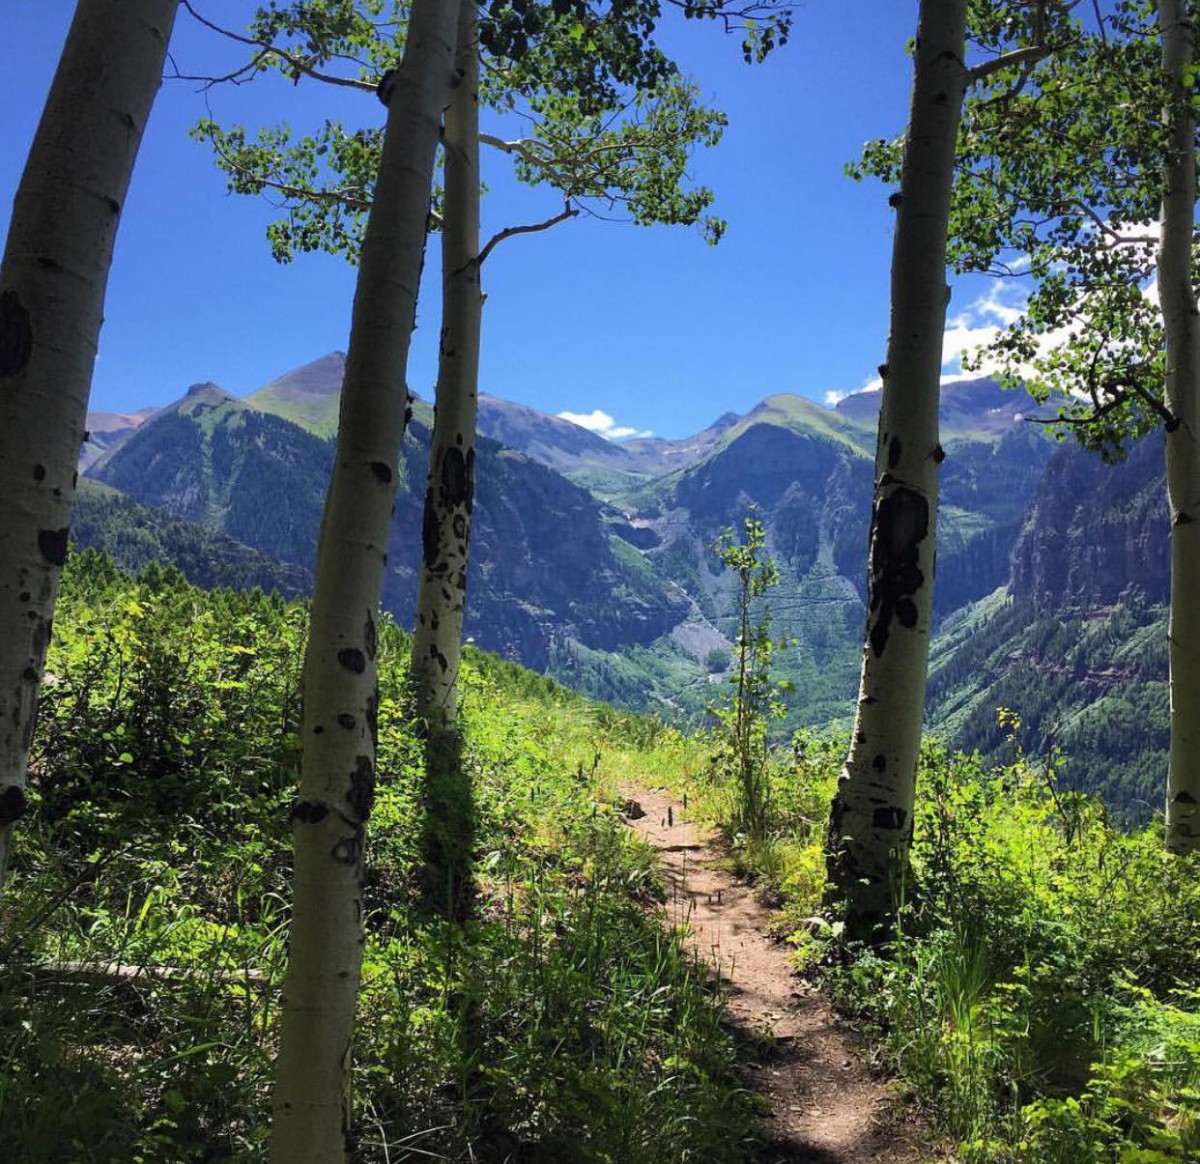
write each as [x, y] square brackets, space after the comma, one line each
[548, 561]
[560, 577]
[1093, 530]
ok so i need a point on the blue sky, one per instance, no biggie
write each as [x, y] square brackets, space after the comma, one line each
[649, 326]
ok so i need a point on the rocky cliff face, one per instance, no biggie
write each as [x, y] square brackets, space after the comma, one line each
[548, 564]
[1094, 530]
[1077, 645]
[594, 560]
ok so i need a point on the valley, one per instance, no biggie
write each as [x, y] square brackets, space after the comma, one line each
[594, 565]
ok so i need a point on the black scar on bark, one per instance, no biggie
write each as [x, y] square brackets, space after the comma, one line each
[429, 531]
[39, 472]
[457, 473]
[53, 545]
[939, 454]
[1184, 797]
[353, 660]
[894, 450]
[879, 763]
[42, 634]
[1183, 519]
[361, 795]
[386, 84]
[373, 718]
[901, 525]
[371, 636]
[16, 334]
[29, 675]
[382, 471]
[349, 849]
[307, 811]
[13, 804]
[346, 720]
[459, 526]
[888, 818]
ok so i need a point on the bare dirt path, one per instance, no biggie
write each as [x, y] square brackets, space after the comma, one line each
[826, 1106]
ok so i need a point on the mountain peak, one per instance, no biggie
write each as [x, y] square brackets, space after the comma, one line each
[307, 396]
[207, 389]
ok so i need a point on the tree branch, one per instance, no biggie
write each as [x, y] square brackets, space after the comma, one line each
[1025, 56]
[344, 198]
[511, 231]
[298, 64]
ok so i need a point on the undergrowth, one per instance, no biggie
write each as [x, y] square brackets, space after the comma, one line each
[1042, 997]
[142, 938]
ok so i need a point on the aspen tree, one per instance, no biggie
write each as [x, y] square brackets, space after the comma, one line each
[1085, 179]
[52, 284]
[871, 819]
[872, 812]
[1177, 296]
[450, 491]
[312, 1103]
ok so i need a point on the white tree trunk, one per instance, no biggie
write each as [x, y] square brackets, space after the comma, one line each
[52, 283]
[1178, 299]
[449, 495]
[872, 813]
[312, 1108]
[449, 499]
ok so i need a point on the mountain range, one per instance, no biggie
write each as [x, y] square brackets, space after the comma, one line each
[593, 560]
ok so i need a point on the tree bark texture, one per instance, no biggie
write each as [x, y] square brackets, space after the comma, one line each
[449, 494]
[1178, 299]
[871, 819]
[449, 499]
[312, 1105]
[52, 283]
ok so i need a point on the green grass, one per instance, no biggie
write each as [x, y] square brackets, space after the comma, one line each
[561, 1023]
[1042, 997]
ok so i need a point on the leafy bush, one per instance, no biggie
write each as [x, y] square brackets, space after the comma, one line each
[1043, 994]
[560, 1021]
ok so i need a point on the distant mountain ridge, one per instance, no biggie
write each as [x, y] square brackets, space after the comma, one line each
[593, 558]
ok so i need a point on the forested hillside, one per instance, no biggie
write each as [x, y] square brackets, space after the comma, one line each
[606, 579]
[1076, 646]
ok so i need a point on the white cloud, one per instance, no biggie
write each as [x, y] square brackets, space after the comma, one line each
[834, 398]
[602, 424]
[979, 323]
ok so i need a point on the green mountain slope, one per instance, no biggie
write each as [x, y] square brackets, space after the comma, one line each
[134, 535]
[593, 559]
[1076, 645]
[550, 563]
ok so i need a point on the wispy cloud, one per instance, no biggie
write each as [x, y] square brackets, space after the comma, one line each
[979, 323]
[602, 424]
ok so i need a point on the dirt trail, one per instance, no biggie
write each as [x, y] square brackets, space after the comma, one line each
[826, 1106]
